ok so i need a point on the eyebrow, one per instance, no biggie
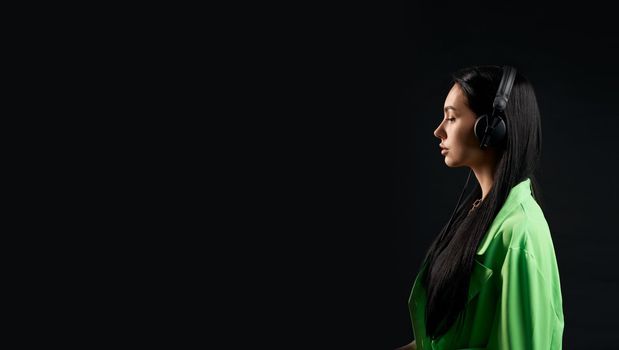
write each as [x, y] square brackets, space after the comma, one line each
[448, 108]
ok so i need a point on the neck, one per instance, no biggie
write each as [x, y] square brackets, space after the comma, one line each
[485, 177]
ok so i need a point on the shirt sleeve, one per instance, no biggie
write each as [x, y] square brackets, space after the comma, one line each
[524, 315]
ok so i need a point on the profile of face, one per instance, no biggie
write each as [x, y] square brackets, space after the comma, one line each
[456, 133]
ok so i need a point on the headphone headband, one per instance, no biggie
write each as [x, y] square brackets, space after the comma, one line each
[494, 120]
[505, 88]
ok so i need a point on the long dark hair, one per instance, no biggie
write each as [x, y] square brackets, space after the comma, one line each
[450, 258]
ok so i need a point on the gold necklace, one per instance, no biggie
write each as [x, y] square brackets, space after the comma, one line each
[475, 204]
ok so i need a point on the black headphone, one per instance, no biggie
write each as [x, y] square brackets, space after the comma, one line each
[491, 129]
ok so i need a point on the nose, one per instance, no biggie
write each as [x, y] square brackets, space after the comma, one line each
[439, 132]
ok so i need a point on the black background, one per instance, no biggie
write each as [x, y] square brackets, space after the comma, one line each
[346, 185]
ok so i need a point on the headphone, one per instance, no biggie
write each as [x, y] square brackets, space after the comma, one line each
[491, 129]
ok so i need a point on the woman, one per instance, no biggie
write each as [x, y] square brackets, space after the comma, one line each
[490, 280]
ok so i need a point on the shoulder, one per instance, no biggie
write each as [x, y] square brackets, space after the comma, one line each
[523, 227]
[526, 228]
[526, 238]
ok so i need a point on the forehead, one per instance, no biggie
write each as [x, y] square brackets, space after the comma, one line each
[455, 97]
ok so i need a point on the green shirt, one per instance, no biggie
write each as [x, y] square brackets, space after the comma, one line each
[514, 298]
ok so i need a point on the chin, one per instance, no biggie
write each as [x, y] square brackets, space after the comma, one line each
[452, 164]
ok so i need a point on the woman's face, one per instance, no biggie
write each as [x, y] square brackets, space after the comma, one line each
[456, 132]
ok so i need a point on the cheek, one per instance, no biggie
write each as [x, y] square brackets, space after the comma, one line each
[458, 138]
[466, 135]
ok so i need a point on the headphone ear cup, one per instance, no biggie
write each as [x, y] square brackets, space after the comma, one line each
[480, 126]
[498, 134]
